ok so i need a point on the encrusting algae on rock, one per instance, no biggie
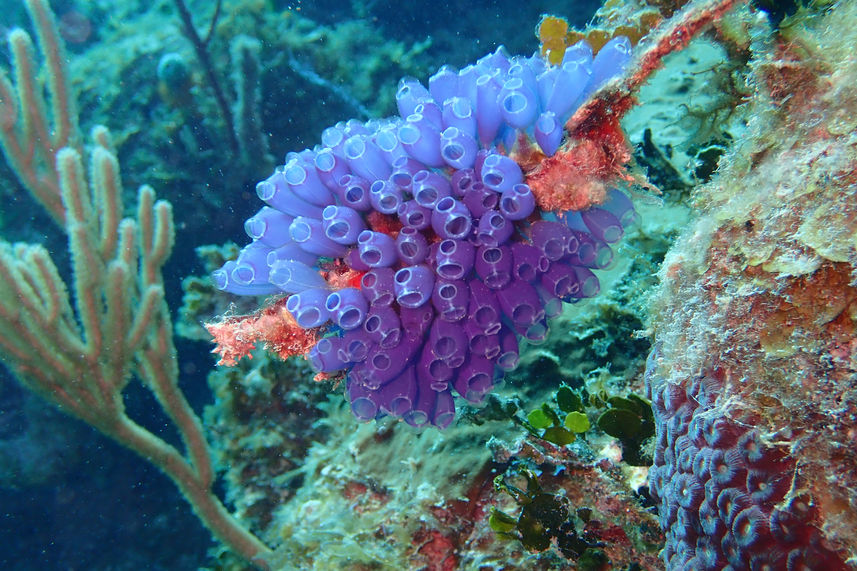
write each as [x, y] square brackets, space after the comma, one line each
[754, 369]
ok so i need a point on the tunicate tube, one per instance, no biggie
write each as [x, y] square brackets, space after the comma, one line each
[307, 307]
[454, 259]
[347, 307]
[383, 326]
[342, 224]
[480, 199]
[500, 173]
[269, 226]
[292, 276]
[377, 250]
[421, 139]
[518, 202]
[450, 299]
[414, 285]
[451, 219]
[411, 246]
[494, 265]
[308, 233]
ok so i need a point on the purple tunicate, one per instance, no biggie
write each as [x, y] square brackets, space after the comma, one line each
[363, 404]
[621, 207]
[377, 250]
[383, 326]
[353, 261]
[422, 409]
[484, 309]
[416, 320]
[500, 173]
[443, 84]
[479, 342]
[275, 192]
[444, 410]
[450, 299]
[493, 229]
[399, 395]
[461, 181]
[444, 300]
[356, 127]
[432, 112]
[410, 93]
[566, 90]
[223, 281]
[588, 282]
[412, 215]
[405, 165]
[334, 137]
[355, 347]
[385, 197]
[414, 285]
[269, 226]
[528, 262]
[518, 103]
[342, 224]
[308, 307]
[494, 265]
[330, 167]
[526, 69]
[475, 379]
[411, 246]
[591, 252]
[308, 233]
[581, 53]
[498, 59]
[535, 334]
[388, 142]
[365, 158]
[428, 187]
[560, 280]
[548, 133]
[347, 307]
[292, 276]
[451, 219]
[488, 115]
[454, 259]
[251, 265]
[458, 113]
[353, 191]
[551, 303]
[520, 302]
[421, 139]
[479, 199]
[291, 251]
[326, 355]
[384, 364]
[432, 371]
[403, 178]
[304, 181]
[610, 61]
[467, 77]
[458, 148]
[507, 360]
[377, 286]
[552, 238]
[518, 202]
[603, 224]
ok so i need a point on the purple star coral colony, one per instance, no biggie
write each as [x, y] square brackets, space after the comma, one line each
[723, 491]
[463, 263]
